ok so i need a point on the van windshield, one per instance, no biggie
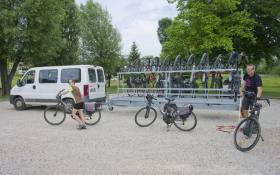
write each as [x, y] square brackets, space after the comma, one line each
[29, 77]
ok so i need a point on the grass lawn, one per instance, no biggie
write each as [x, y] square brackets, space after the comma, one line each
[271, 85]
[113, 89]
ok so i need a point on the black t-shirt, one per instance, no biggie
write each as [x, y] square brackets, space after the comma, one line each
[252, 83]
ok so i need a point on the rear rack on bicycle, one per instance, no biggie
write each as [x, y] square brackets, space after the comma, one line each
[186, 82]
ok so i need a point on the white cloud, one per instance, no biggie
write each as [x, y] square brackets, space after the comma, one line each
[137, 20]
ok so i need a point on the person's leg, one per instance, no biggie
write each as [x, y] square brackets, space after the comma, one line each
[81, 115]
[244, 113]
[244, 107]
[74, 114]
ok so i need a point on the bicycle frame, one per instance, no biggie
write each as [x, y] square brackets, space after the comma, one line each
[152, 103]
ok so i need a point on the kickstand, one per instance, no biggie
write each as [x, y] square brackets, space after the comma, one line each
[168, 127]
[262, 138]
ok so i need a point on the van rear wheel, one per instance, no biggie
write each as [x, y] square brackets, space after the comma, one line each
[19, 104]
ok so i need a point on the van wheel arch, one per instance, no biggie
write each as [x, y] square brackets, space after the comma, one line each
[69, 101]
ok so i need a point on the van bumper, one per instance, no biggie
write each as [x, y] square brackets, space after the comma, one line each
[102, 99]
[12, 97]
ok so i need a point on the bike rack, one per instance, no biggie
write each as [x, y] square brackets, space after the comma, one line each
[179, 79]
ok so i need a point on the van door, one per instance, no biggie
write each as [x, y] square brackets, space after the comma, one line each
[100, 84]
[47, 86]
[92, 83]
[28, 88]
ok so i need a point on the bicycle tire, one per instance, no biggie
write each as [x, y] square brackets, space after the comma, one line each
[87, 122]
[189, 129]
[237, 129]
[56, 109]
[140, 110]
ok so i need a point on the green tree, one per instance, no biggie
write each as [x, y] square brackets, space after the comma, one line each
[147, 59]
[9, 11]
[100, 41]
[266, 30]
[249, 26]
[43, 31]
[70, 34]
[30, 31]
[134, 54]
[208, 26]
[163, 24]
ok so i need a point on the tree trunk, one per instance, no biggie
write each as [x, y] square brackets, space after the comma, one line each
[4, 72]
[109, 80]
[6, 79]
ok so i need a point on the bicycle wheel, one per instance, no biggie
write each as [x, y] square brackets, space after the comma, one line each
[92, 118]
[54, 115]
[145, 116]
[185, 124]
[247, 134]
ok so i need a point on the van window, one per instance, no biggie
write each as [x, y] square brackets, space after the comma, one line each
[92, 75]
[71, 74]
[100, 75]
[48, 76]
[29, 77]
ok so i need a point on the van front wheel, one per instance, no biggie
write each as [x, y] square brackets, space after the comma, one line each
[19, 104]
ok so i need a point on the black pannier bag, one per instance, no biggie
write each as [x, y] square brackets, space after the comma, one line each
[185, 112]
[90, 106]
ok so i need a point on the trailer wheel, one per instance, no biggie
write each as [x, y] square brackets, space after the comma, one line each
[111, 108]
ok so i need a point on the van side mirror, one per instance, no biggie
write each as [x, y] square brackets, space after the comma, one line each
[19, 83]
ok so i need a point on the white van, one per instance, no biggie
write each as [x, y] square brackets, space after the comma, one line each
[39, 85]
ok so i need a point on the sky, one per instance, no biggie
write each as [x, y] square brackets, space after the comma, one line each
[137, 20]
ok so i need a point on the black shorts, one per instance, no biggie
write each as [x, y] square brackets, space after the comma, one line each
[79, 105]
[246, 102]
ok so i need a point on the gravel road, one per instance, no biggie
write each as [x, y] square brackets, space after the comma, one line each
[116, 145]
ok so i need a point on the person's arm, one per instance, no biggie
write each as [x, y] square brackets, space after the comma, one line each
[259, 87]
[64, 93]
[259, 94]
[70, 89]
[242, 88]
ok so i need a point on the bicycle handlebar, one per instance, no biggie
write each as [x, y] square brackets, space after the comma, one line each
[58, 95]
[264, 99]
[253, 95]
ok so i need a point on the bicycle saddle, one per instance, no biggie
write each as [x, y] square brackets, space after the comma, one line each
[169, 99]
